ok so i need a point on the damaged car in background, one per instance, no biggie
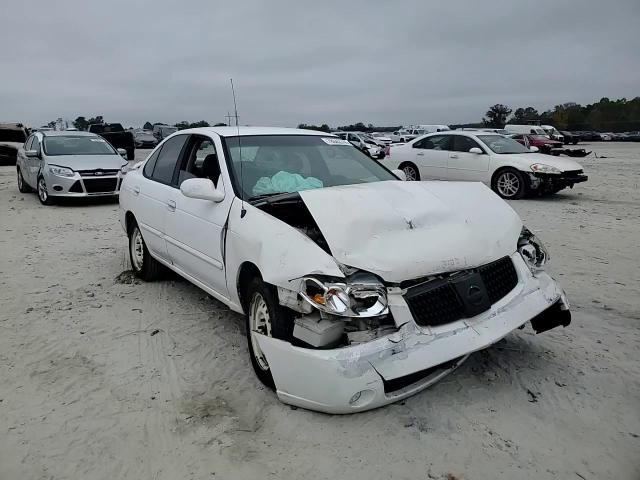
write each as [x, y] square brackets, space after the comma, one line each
[358, 289]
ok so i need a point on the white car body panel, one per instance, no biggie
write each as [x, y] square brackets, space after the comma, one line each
[405, 230]
[397, 230]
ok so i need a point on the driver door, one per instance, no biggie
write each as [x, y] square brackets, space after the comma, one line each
[195, 227]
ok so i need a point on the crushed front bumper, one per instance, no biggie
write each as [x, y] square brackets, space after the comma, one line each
[555, 182]
[393, 367]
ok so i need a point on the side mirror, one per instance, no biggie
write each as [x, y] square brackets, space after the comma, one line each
[400, 174]
[534, 149]
[122, 152]
[203, 189]
[32, 153]
[476, 150]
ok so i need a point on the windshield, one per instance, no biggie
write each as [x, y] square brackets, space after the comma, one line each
[503, 145]
[77, 146]
[273, 164]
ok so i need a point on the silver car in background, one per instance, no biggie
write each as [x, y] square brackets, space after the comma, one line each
[69, 164]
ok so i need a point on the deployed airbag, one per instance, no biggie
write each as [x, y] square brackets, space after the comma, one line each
[283, 182]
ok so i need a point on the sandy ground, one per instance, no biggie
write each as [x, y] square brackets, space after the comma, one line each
[103, 377]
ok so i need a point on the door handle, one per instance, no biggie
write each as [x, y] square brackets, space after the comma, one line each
[171, 205]
[420, 154]
[453, 155]
[136, 190]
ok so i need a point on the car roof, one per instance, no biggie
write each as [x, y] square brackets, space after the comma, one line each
[246, 131]
[70, 133]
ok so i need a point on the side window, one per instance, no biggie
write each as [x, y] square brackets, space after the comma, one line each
[35, 143]
[353, 138]
[201, 161]
[168, 159]
[464, 144]
[148, 167]
[533, 131]
[436, 142]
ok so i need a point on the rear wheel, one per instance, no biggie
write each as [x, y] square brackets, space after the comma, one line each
[43, 193]
[131, 153]
[22, 185]
[265, 316]
[143, 264]
[510, 184]
[411, 172]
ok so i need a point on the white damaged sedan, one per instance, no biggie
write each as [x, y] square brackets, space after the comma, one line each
[359, 289]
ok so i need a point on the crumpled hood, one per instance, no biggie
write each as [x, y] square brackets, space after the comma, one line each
[88, 162]
[405, 230]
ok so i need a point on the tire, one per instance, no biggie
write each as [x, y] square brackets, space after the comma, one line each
[510, 184]
[264, 313]
[411, 172]
[43, 194]
[22, 185]
[144, 266]
[131, 153]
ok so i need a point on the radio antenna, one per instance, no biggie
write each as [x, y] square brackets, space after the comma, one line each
[243, 211]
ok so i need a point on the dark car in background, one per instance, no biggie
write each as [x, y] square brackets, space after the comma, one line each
[116, 135]
[12, 138]
[570, 138]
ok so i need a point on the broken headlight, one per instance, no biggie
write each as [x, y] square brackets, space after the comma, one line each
[361, 295]
[533, 252]
[542, 168]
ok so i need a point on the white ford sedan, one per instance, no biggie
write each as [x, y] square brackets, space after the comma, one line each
[358, 289]
[509, 168]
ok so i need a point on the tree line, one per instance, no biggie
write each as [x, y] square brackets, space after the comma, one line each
[82, 123]
[607, 115]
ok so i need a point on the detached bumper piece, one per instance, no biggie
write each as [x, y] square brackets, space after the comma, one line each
[552, 317]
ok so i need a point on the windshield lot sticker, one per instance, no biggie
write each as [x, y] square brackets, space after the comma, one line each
[98, 140]
[335, 141]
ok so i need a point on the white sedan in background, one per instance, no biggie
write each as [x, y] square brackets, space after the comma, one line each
[509, 168]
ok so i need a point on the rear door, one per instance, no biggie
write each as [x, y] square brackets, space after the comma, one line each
[155, 189]
[431, 155]
[465, 166]
[195, 227]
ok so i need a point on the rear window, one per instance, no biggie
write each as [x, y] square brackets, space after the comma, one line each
[12, 135]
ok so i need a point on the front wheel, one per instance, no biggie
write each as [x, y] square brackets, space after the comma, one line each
[264, 316]
[43, 193]
[143, 264]
[22, 185]
[510, 184]
[411, 172]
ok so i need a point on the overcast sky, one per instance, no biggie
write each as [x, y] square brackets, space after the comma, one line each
[384, 62]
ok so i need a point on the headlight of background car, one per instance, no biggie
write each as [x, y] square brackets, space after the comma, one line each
[362, 295]
[533, 252]
[61, 171]
[542, 168]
